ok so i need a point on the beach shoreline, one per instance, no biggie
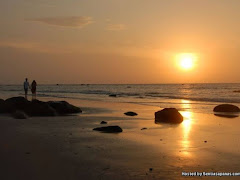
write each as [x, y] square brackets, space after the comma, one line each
[66, 147]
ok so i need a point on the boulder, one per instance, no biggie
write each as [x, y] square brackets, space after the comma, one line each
[39, 108]
[226, 115]
[16, 103]
[130, 113]
[109, 129]
[36, 107]
[2, 106]
[63, 107]
[19, 115]
[168, 115]
[226, 108]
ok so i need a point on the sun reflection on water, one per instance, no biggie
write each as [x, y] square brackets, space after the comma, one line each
[186, 125]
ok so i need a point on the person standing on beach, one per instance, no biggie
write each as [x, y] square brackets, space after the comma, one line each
[26, 86]
[34, 89]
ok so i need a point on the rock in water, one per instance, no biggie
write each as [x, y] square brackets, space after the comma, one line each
[63, 107]
[109, 129]
[19, 115]
[112, 95]
[103, 122]
[168, 115]
[226, 108]
[130, 113]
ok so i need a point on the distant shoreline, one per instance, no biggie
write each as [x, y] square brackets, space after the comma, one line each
[52, 84]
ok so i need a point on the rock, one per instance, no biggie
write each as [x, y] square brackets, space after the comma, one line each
[32, 108]
[112, 95]
[205, 141]
[63, 107]
[103, 122]
[2, 106]
[15, 100]
[130, 113]
[238, 91]
[19, 115]
[16, 103]
[39, 108]
[168, 115]
[109, 129]
[226, 108]
[226, 115]
[143, 128]
[150, 169]
[36, 107]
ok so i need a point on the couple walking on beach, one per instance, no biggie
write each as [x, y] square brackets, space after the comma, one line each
[33, 88]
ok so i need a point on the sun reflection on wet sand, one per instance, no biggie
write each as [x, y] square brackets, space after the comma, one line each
[186, 125]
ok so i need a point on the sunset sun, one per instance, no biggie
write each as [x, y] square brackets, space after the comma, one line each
[186, 61]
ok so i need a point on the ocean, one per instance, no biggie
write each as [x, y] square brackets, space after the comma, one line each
[194, 97]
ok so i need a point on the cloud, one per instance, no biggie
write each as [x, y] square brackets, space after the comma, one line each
[71, 21]
[27, 46]
[17, 45]
[115, 27]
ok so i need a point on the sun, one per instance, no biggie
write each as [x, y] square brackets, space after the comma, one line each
[186, 61]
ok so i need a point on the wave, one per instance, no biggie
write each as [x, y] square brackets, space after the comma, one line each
[136, 95]
[226, 100]
[211, 93]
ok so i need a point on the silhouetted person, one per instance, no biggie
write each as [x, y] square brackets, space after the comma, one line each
[34, 89]
[26, 86]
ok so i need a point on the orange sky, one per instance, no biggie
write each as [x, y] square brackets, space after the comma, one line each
[119, 41]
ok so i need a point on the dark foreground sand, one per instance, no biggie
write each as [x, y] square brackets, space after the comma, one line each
[66, 148]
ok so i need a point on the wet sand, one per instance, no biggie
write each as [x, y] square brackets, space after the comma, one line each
[66, 148]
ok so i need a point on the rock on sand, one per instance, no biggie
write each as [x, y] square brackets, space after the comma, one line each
[226, 108]
[2, 106]
[130, 113]
[63, 107]
[168, 115]
[19, 115]
[36, 107]
[109, 129]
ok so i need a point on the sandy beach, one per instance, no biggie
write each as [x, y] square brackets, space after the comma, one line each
[67, 148]
[119, 90]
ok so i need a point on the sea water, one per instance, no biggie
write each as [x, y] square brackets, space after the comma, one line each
[197, 97]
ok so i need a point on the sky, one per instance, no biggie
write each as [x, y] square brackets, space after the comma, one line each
[119, 41]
